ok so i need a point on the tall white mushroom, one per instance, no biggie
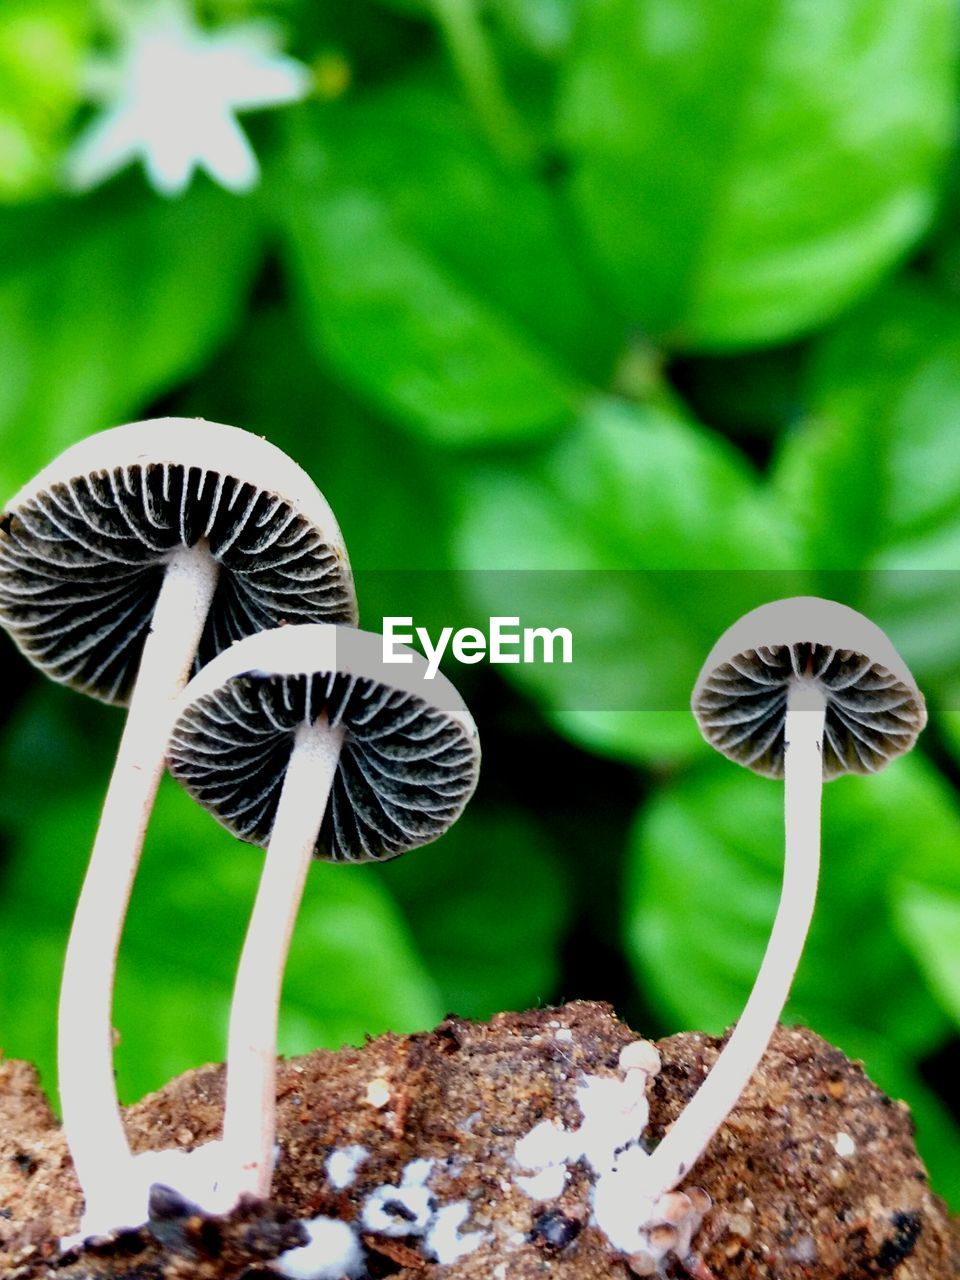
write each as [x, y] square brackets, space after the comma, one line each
[804, 689]
[303, 740]
[137, 554]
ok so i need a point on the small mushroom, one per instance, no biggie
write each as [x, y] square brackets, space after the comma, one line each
[301, 739]
[804, 689]
[136, 554]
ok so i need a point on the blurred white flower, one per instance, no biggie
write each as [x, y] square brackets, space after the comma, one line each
[171, 95]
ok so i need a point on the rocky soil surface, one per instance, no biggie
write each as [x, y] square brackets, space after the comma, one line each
[412, 1141]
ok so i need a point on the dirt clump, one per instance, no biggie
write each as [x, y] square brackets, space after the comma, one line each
[815, 1175]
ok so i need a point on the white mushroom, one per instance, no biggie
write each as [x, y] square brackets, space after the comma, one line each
[804, 689]
[301, 739]
[135, 555]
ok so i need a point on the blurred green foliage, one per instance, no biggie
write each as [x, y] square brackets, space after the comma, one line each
[543, 294]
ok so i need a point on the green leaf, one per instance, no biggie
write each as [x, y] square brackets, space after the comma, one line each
[437, 284]
[42, 47]
[54, 744]
[106, 303]
[704, 877]
[929, 921]
[409, 8]
[742, 174]
[630, 533]
[542, 26]
[352, 968]
[498, 231]
[873, 472]
[267, 379]
[394, 327]
[487, 907]
[925, 898]
[397, 533]
[659, 739]
[873, 476]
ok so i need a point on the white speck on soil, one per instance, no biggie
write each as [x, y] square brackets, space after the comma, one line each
[342, 1165]
[444, 1242]
[405, 1210]
[844, 1145]
[548, 1184]
[410, 1209]
[334, 1252]
[378, 1093]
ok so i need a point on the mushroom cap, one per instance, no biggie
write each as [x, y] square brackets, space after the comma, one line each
[410, 755]
[83, 546]
[874, 710]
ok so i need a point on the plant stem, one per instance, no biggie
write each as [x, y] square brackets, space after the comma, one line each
[715, 1099]
[249, 1122]
[470, 52]
[91, 1116]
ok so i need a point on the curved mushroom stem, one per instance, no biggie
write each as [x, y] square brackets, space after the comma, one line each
[91, 1115]
[715, 1099]
[249, 1123]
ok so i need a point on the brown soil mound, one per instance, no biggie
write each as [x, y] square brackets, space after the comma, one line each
[814, 1177]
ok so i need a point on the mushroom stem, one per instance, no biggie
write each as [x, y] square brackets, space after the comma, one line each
[88, 1097]
[249, 1123]
[715, 1099]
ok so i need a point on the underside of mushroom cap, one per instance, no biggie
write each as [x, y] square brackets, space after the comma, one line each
[410, 754]
[874, 710]
[84, 545]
